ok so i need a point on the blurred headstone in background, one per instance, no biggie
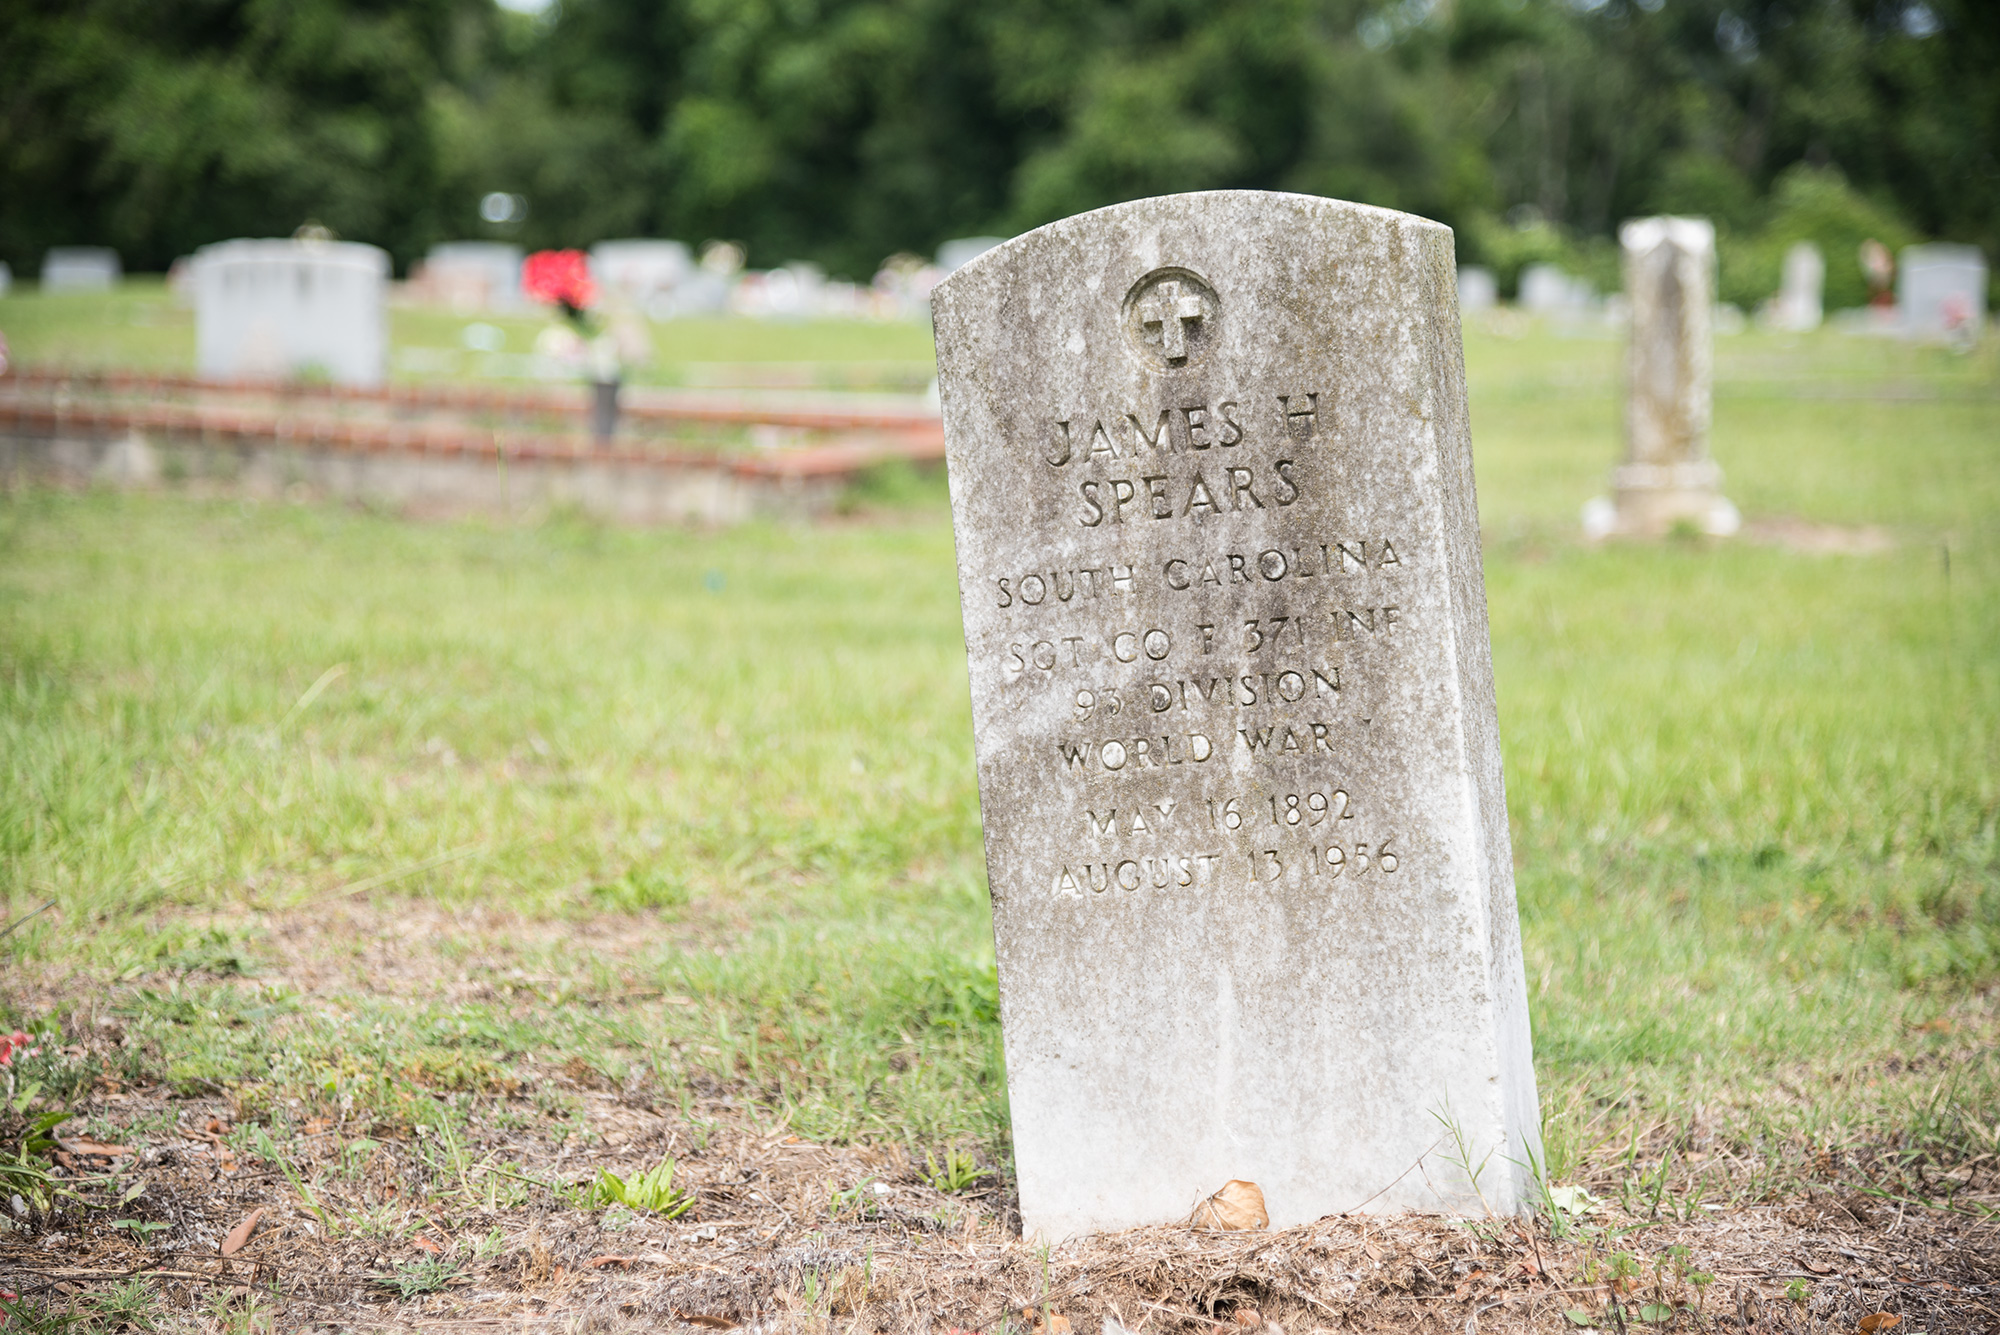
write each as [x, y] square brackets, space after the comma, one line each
[648, 273]
[793, 292]
[1941, 292]
[6, 277]
[1478, 290]
[1798, 307]
[705, 289]
[1667, 479]
[903, 287]
[80, 269]
[180, 280]
[1547, 290]
[953, 255]
[470, 276]
[269, 309]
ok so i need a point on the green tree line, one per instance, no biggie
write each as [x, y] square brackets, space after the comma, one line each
[843, 131]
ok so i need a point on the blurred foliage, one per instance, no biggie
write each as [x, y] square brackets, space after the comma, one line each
[843, 131]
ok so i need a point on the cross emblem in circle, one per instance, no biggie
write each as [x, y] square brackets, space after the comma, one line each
[1167, 308]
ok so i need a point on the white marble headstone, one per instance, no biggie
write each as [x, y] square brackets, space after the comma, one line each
[268, 309]
[80, 269]
[646, 271]
[1799, 306]
[1941, 291]
[1546, 290]
[1232, 696]
[1478, 289]
[475, 275]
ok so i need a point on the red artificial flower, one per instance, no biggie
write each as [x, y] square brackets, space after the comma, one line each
[16, 1044]
[560, 277]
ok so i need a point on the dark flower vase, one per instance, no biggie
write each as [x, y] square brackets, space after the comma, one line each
[603, 411]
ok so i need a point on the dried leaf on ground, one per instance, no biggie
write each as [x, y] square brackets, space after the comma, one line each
[1237, 1205]
[241, 1233]
[93, 1148]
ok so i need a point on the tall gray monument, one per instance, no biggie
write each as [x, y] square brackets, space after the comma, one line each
[1667, 478]
[1232, 699]
[1800, 305]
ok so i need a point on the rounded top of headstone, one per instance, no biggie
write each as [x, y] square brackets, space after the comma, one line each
[1191, 206]
[1942, 252]
[1691, 234]
[277, 250]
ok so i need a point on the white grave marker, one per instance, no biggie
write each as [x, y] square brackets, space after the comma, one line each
[80, 269]
[474, 275]
[1941, 291]
[1233, 707]
[1799, 307]
[266, 309]
[1478, 290]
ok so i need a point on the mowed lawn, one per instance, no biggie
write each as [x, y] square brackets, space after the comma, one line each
[714, 791]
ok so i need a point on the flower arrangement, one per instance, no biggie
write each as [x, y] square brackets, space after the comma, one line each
[17, 1044]
[562, 278]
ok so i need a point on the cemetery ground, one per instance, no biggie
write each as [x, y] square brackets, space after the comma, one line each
[559, 926]
[142, 326]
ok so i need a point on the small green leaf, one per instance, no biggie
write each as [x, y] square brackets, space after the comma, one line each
[1657, 1313]
[140, 1226]
[1578, 1317]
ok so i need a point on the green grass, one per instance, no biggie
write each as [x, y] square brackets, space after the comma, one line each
[1753, 791]
[141, 325]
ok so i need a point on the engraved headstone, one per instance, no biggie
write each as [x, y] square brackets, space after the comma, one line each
[472, 275]
[955, 254]
[1667, 477]
[1800, 296]
[1546, 290]
[1478, 290]
[1233, 710]
[80, 269]
[647, 272]
[265, 309]
[1941, 291]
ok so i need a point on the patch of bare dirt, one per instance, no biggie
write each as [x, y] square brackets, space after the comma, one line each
[1803, 535]
[481, 1223]
[365, 1230]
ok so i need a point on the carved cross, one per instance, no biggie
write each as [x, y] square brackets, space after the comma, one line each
[1168, 309]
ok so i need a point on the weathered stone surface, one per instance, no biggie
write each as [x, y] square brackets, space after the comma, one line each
[1667, 477]
[1232, 693]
